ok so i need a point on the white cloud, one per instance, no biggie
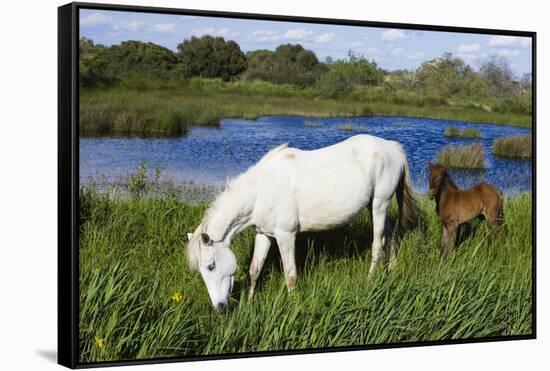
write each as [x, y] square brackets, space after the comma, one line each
[502, 40]
[415, 56]
[324, 38]
[164, 27]
[468, 48]
[397, 52]
[507, 52]
[394, 35]
[264, 36]
[95, 19]
[356, 44]
[298, 34]
[471, 58]
[525, 42]
[128, 26]
[223, 32]
[374, 51]
[509, 42]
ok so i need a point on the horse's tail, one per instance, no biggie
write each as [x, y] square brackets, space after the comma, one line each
[406, 202]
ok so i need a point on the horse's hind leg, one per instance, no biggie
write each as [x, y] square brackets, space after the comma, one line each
[392, 259]
[261, 248]
[286, 241]
[379, 211]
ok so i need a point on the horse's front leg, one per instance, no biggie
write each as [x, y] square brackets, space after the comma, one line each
[287, 248]
[447, 239]
[261, 248]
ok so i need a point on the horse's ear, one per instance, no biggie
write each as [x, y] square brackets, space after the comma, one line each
[206, 239]
[189, 236]
[430, 165]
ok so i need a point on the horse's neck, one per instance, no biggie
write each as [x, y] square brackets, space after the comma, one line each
[229, 214]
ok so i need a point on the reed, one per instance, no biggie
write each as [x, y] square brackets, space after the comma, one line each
[454, 132]
[470, 156]
[514, 146]
[348, 126]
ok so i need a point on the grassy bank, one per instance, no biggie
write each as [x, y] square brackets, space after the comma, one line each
[138, 300]
[173, 109]
[514, 146]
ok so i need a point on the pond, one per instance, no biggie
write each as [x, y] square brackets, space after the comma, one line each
[211, 155]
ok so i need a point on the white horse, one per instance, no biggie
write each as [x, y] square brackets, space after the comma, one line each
[290, 191]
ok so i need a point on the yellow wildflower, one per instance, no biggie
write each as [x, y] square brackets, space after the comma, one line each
[176, 297]
[100, 343]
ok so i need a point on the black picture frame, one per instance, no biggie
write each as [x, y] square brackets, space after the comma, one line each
[68, 178]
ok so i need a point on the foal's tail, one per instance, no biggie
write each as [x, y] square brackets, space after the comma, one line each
[406, 202]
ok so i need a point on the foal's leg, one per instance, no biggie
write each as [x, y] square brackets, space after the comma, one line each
[287, 248]
[261, 248]
[379, 212]
[447, 240]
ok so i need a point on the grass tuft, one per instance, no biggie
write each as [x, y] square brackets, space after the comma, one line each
[312, 123]
[514, 146]
[470, 156]
[454, 132]
[348, 126]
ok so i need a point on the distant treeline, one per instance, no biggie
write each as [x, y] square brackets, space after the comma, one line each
[436, 80]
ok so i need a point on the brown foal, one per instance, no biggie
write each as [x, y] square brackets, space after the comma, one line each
[455, 206]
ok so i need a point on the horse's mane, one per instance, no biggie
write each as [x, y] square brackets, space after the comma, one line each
[235, 184]
[232, 205]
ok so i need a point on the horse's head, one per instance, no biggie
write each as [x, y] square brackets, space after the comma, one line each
[216, 263]
[437, 174]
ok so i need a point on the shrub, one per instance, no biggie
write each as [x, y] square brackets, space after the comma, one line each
[470, 156]
[514, 146]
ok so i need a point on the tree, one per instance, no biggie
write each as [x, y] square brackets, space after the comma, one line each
[344, 74]
[134, 58]
[500, 77]
[209, 56]
[288, 64]
[444, 76]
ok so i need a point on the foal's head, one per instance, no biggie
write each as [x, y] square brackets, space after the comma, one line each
[437, 174]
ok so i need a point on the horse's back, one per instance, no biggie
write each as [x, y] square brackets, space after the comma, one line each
[326, 187]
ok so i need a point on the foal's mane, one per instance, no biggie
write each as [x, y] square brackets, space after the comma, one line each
[450, 181]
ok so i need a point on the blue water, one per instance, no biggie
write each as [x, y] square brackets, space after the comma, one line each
[211, 155]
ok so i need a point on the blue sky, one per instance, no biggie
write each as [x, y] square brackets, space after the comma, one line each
[391, 48]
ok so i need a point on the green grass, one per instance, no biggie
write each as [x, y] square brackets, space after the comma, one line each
[150, 108]
[469, 156]
[132, 261]
[454, 132]
[514, 146]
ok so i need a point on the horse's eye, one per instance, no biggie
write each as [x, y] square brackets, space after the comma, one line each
[212, 266]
